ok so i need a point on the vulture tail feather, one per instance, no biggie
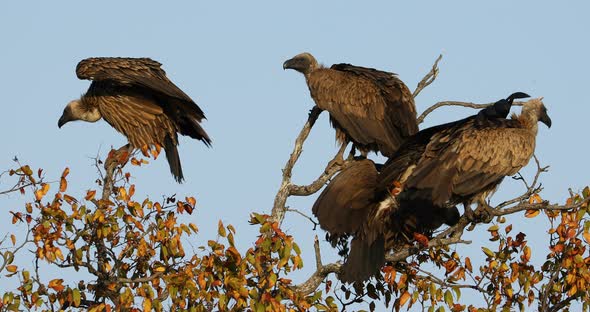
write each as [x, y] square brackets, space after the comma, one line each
[364, 260]
[173, 159]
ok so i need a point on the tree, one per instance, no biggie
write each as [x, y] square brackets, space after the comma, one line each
[130, 252]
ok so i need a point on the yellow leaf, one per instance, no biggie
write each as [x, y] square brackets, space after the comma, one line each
[13, 239]
[488, 252]
[147, 305]
[11, 268]
[160, 269]
[531, 213]
[587, 237]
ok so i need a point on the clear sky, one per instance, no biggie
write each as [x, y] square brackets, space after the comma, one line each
[228, 57]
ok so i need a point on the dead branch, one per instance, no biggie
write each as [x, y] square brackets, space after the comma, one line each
[429, 78]
[456, 103]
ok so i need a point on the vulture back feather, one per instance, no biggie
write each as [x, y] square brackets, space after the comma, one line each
[371, 108]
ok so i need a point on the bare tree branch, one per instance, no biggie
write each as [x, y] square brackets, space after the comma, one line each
[456, 103]
[429, 78]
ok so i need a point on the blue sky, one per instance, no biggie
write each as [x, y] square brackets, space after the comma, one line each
[228, 57]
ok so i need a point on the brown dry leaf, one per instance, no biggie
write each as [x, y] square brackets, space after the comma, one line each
[90, 195]
[65, 173]
[468, 264]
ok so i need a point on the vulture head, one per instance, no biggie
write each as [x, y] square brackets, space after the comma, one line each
[303, 63]
[534, 111]
[76, 110]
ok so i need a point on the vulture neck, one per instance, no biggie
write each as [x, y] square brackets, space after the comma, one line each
[528, 119]
[82, 109]
[313, 68]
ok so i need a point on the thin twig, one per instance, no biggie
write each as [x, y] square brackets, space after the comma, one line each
[429, 78]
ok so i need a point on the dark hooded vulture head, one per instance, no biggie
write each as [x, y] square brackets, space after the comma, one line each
[303, 63]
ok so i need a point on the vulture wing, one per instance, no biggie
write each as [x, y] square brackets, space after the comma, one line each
[464, 160]
[143, 72]
[343, 205]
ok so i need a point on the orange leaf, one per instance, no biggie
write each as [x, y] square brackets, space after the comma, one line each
[90, 195]
[468, 264]
[145, 150]
[56, 284]
[531, 213]
[13, 239]
[587, 237]
[535, 199]
[527, 253]
[404, 298]
[11, 268]
[65, 173]
[422, 239]
[63, 185]
[191, 200]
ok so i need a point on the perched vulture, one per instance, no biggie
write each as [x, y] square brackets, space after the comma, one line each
[371, 108]
[418, 188]
[137, 99]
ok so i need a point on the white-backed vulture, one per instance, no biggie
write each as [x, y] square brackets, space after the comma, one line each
[372, 108]
[137, 99]
[418, 188]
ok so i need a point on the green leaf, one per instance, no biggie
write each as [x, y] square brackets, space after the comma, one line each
[76, 296]
[488, 252]
[449, 298]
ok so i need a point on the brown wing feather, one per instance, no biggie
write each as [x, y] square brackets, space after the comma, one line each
[343, 205]
[142, 72]
[129, 116]
[466, 160]
[143, 76]
[372, 108]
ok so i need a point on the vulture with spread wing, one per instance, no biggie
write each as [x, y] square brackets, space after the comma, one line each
[372, 108]
[137, 99]
[418, 188]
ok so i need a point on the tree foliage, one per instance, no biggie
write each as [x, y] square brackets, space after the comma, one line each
[129, 253]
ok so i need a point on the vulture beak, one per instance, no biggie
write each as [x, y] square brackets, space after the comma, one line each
[63, 119]
[287, 64]
[545, 119]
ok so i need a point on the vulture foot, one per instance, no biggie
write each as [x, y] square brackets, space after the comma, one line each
[484, 213]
